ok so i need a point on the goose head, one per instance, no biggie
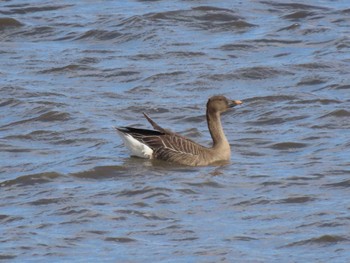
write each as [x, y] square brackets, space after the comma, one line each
[221, 104]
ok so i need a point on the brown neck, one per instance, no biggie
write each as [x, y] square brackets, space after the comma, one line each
[215, 129]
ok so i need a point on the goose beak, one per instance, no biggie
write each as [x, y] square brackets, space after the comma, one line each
[235, 103]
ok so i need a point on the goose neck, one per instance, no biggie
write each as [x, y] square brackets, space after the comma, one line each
[216, 130]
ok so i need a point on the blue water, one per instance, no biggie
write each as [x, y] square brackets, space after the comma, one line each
[71, 71]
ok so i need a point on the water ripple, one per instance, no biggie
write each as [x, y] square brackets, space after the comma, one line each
[73, 71]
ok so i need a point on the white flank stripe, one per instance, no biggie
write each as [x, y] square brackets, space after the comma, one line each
[136, 147]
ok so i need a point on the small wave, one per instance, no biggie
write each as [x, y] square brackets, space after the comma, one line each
[9, 102]
[5, 257]
[53, 116]
[202, 13]
[6, 22]
[194, 119]
[314, 65]
[318, 30]
[299, 15]
[97, 232]
[122, 75]
[120, 239]
[148, 191]
[212, 9]
[310, 81]
[150, 110]
[146, 57]
[186, 54]
[250, 73]
[220, 18]
[140, 90]
[237, 47]
[142, 214]
[100, 35]
[45, 117]
[31, 179]
[132, 22]
[296, 200]
[39, 32]
[273, 98]
[290, 27]
[254, 201]
[184, 239]
[318, 101]
[202, 17]
[340, 87]
[338, 114]
[260, 73]
[187, 191]
[288, 145]
[206, 184]
[72, 211]
[277, 41]
[241, 238]
[38, 135]
[268, 183]
[33, 9]
[68, 68]
[293, 6]
[217, 17]
[47, 201]
[325, 239]
[14, 149]
[102, 172]
[342, 184]
[346, 11]
[268, 121]
[165, 76]
[7, 218]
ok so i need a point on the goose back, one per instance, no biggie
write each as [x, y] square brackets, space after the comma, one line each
[168, 146]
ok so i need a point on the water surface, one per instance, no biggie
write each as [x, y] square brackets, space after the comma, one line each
[71, 71]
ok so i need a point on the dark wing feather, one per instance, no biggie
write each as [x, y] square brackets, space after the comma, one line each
[156, 126]
[139, 132]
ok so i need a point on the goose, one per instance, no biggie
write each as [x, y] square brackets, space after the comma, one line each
[169, 146]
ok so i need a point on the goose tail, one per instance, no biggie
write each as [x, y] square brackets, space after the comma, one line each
[136, 147]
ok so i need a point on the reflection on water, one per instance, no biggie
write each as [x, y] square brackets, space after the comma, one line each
[70, 72]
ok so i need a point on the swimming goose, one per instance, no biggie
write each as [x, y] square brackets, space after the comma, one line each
[166, 145]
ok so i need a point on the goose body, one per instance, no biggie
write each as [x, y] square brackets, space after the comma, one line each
[169, 146]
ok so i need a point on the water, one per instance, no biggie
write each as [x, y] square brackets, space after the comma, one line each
[70, 71]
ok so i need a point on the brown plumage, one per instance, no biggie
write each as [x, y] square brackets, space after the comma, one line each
[166, 145]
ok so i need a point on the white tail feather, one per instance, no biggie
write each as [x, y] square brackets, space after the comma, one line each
[136, 147]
